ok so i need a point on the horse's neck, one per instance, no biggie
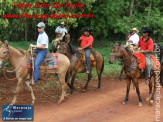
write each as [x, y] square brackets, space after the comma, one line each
[69, 53]
[127, 59]
[15, 56]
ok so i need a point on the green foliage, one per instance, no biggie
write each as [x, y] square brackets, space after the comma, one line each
[111, 19]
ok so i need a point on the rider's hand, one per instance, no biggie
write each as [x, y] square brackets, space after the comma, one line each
[31, 45]
[80, 48]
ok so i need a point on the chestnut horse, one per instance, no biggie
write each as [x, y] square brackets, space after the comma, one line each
[78, 66]
[132, 72]
[19, 62]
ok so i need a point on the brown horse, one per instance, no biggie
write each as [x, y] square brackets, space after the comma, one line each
[132, 72]
[19, 62]
[78, 66]
[66, 38]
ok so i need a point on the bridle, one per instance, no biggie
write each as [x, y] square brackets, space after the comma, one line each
[123, 59]
[5, 69]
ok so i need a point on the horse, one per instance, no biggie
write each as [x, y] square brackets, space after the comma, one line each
[66, 38]
[78, 66]
[132, 72]
[19, 61]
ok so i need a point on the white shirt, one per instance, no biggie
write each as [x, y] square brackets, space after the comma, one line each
[61, 30]
[134, 38]
[43, 39]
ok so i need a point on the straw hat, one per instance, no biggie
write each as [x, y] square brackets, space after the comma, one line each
[62, 23]
[134, 29]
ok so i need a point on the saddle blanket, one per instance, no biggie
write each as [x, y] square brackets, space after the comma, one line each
[50, 64]
[141, 60]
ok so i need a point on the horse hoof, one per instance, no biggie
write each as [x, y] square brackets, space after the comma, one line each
[123, 103]
[147, 99]
[151, 102]
[140, 105]
[97, 89]
[59, 102]
[84, 90]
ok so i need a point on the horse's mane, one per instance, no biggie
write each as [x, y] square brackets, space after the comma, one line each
[73, 50]
[21, 51]
[18, 50]
[128, 51]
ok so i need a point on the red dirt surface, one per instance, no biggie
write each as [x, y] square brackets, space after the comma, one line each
[91, 106]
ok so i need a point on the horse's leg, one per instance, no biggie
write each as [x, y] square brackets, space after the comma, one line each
[138, 92]
[61, 77]
[86, 85]
[31, 90]
[19, 84]
[72, 83]
[154, 88]
[150, 92]
[127, 91]
[120, 76]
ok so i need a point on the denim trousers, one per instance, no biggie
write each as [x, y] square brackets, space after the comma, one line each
[39, 59]
[88, 60]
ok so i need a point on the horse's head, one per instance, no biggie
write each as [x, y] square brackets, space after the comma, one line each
[4, 52]
[116, 53]
[66, 38]
[63, 48]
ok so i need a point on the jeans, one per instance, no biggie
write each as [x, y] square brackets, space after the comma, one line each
[39, 58]
[148, 65]
[88, 60]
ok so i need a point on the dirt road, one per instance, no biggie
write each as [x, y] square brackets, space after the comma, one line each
[92, 106]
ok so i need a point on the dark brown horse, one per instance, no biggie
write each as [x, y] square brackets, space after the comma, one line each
[78, 66]
[132, 72]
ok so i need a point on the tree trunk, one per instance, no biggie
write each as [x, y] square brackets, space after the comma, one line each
[130, 14]
[25, 31]
[149, 12]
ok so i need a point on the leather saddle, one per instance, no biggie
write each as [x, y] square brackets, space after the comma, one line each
[50, 59]
[83, 58]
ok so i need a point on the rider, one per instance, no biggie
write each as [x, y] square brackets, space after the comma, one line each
[146, 47]
[60, 32]
[86, 44]
[133, 38]
[41, 50]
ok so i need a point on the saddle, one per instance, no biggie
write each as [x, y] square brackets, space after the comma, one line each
[50, 61]
[141, 61]
[83, 58]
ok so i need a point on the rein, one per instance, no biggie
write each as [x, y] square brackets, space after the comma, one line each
[124, 59]
[11, 71]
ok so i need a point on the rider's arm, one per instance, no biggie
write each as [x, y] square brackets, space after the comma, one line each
[38, 47]
[79, 40]
[58, 33]
[86, 46]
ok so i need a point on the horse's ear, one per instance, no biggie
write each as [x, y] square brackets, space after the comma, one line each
[6, 43]
[1, 43]
[120, 43]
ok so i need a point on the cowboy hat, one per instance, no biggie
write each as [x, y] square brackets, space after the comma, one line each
[134, 29]
[62, 23]
[146, 30]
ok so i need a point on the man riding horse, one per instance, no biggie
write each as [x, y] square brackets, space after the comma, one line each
[41, 50]
[146, 47]
[60, 33]
[86, 44]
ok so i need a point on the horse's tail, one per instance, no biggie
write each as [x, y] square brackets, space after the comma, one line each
[67, 76]
[102, 69]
